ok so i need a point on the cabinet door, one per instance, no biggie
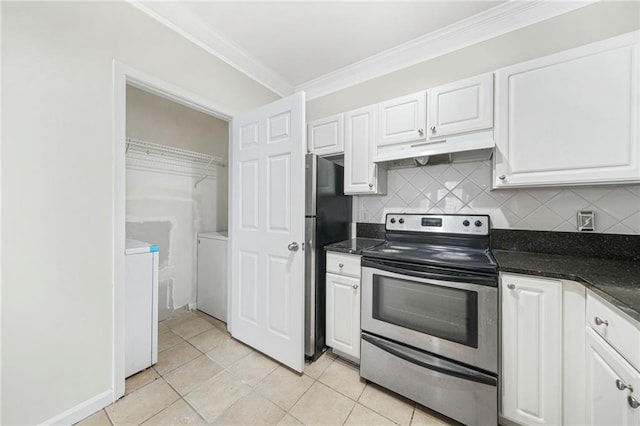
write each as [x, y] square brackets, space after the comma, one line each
[570, 118]
[343, 314]
[326, 136]
[402, 119]
[531, 350]
[360, 173]
[460, 107]
[607, 372]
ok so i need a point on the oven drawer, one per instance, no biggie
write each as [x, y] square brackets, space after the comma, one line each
[343, 264]
[413, 374]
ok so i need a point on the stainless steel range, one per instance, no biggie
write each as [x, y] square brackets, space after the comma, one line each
[430, 314]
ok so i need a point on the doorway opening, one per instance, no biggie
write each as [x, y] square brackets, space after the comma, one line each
[170, 184]
[176, 188]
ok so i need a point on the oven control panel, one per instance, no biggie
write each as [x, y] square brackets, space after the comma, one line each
[442, 223]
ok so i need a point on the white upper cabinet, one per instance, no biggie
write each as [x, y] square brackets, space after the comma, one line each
[326, 136]
[461, 107]
[570, 118]
[361, 175]
[402, 119]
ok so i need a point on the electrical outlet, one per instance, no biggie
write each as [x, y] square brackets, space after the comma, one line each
[586, 221]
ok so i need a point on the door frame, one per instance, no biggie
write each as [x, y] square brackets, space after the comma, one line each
[124, 75]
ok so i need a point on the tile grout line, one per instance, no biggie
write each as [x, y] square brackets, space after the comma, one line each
[182, 397]
[315, 380]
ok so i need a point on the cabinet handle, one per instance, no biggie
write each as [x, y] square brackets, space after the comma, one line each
[511, 286]
[600, 321]
[370, 186]
[622, 385]
[433, 129]
[355, 286]
[421, 132]
[340, 265]
[633, 403]
[502, 177]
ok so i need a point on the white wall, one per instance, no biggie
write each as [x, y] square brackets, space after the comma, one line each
[588, 24]
[465, 188]
[166, 209]
[57, 180]
[165, 122]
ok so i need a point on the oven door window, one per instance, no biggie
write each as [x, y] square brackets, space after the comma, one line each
[444, 312]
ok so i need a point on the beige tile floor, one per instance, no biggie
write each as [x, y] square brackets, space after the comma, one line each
[204, 376]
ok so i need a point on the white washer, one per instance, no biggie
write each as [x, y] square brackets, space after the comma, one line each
[212, 274]
[141, 306]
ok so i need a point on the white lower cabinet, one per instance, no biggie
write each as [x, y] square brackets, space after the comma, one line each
[531, 350]
[610, 378]
[343, 311]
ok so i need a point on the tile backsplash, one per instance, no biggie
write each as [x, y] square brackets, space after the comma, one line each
[465, 188]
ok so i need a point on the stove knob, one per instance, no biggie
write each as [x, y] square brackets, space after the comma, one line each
[478, 223]
[393, 220]
[466, 223]
[401, 220]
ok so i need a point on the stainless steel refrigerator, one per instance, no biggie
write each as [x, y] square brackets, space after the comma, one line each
[328, 220]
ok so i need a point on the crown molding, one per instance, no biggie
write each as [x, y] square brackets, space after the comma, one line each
[494, 22]
[180, 20]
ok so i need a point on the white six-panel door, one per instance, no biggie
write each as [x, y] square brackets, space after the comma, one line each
[267, 223]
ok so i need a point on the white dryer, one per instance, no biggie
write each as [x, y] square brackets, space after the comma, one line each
[212, 274]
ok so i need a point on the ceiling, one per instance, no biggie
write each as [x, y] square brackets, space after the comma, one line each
[290, 45]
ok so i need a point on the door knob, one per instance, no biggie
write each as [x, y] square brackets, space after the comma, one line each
[502, 177]
[355, 286]
[600, 321]
[293, 246]
[511, 286]
[421, 132]
[341, 265]
[433, 129]
[633, 403]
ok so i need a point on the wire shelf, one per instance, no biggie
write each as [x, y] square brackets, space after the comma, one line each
[144, 155]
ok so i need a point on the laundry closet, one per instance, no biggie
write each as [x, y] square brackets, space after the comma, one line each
[176, 192]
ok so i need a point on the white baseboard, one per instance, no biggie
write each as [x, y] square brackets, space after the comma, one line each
[82, 410]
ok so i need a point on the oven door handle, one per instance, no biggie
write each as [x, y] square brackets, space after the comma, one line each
[431, 362]
[419, 272]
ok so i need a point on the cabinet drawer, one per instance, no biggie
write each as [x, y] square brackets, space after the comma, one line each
[618, 331]
[343, 264]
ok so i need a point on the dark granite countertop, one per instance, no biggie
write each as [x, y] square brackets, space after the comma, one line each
[617, 281]
[353, 246]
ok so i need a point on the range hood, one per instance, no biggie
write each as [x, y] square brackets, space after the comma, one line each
[459, 149]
